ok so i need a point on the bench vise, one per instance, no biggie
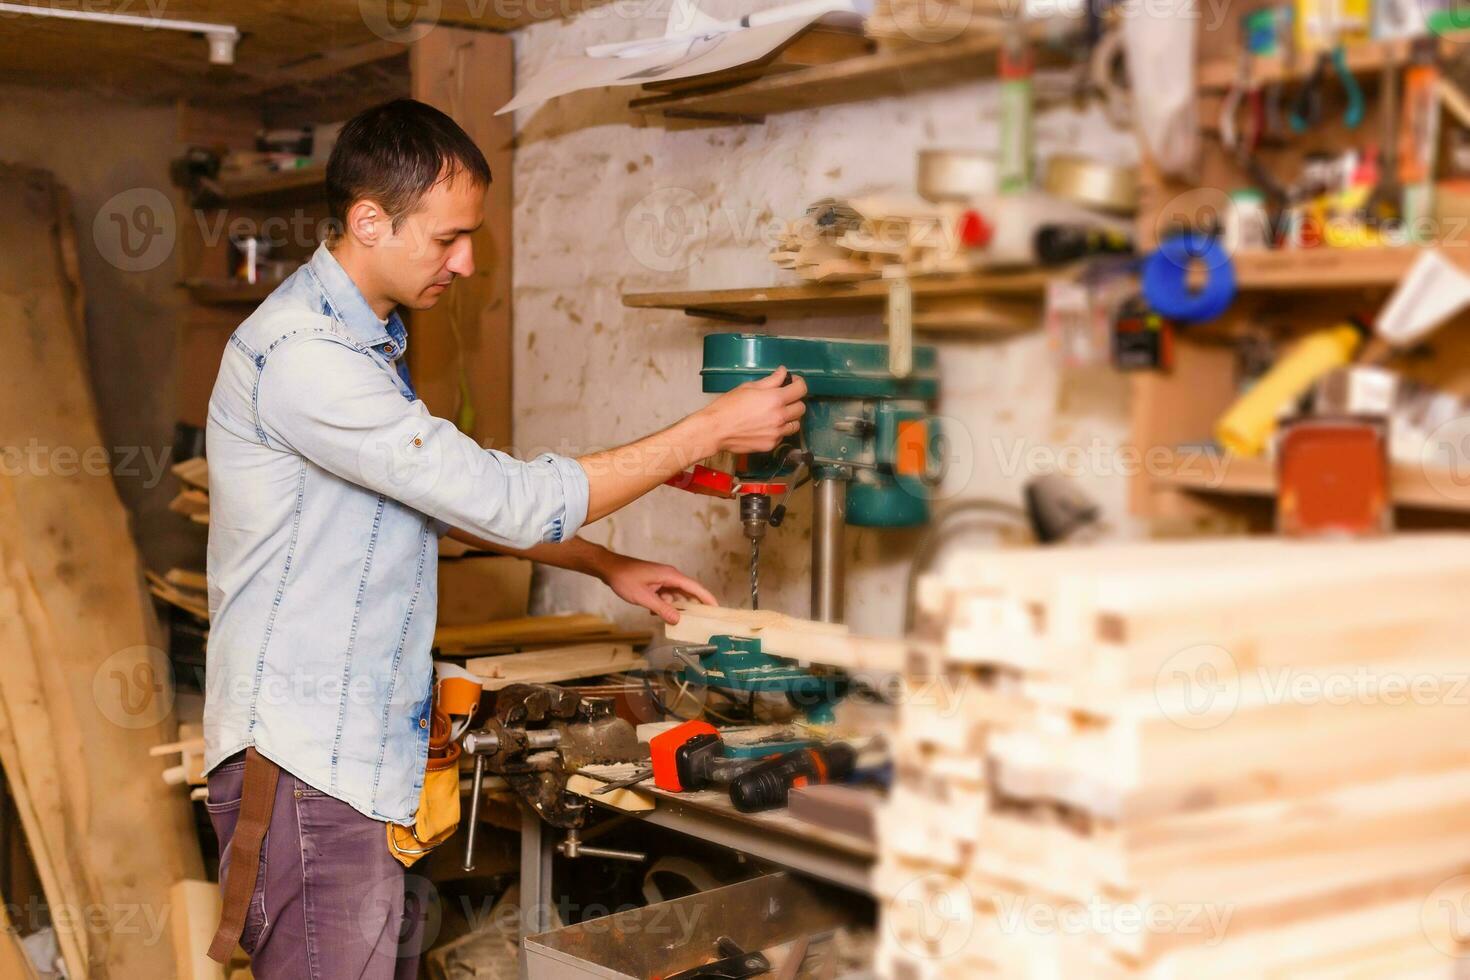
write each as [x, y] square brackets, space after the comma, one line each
[540, 735]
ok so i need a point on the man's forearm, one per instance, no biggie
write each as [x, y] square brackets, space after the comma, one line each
[575, 554]
[617, 477]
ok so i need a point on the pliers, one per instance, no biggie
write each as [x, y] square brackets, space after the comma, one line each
[1306, 112]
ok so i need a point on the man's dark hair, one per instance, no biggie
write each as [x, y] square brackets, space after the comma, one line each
[394, 154]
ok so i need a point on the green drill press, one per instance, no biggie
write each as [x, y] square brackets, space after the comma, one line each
[868, 445]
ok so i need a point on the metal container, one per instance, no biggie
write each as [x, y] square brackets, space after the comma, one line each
[955, 175]
[672, 936]
[1092, 184]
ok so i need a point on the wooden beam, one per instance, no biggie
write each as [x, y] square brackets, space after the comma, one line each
[461, 351]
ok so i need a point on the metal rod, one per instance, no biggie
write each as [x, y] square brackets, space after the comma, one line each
[829, 520]
[469, 835]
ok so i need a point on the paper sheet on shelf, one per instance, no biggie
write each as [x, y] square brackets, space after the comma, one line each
[696, 56]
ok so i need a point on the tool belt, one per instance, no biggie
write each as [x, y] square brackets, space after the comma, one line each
[436, 821]
[257, 800]
[438, 815]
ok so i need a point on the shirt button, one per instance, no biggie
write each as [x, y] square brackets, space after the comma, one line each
[388, 348]
[418, 442]
[423, 723]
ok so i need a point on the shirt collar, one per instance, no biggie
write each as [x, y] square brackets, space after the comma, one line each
[351, 309]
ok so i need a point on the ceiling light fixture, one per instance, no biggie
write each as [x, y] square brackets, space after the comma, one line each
[221, 37]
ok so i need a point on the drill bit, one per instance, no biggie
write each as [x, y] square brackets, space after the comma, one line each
[755, 564]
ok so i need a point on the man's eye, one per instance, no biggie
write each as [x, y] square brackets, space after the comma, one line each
[446, 241]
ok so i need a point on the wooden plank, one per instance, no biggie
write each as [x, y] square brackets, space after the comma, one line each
[14, 962]
[196, 908]
[554, 665]
[258, 187]
[525, 629]
[829, 644]
[874, 76]
[85, 688]
[462, 350]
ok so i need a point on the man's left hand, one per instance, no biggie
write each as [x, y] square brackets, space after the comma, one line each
[651, 585]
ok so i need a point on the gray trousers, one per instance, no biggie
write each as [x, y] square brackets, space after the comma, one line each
[330, 901]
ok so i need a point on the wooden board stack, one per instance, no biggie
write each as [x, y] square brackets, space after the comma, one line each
[1235, 758]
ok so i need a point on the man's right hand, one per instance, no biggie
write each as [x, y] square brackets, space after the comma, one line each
[757, 415]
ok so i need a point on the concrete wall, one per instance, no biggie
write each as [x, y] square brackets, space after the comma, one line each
[101, 149]
[595, 186]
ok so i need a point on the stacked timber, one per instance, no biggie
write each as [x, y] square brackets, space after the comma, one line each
[1204, 759]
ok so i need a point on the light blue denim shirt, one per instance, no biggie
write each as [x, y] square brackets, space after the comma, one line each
[329, 483]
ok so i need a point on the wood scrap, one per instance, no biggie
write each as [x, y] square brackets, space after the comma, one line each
[625, 798]
[193, 473]
[190, 750]
[850, 239]
[1215, 737]
[555, 665]
[189, 503]
[14, 961]
[85, 692]
[192, 602]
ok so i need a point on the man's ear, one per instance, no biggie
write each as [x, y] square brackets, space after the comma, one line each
[367, 222]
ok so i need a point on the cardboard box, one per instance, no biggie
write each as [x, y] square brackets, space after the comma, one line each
[483, 588]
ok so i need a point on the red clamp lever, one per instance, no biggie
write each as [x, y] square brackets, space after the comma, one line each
[718, 483]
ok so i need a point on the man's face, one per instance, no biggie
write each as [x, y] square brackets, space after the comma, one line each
[432, 246]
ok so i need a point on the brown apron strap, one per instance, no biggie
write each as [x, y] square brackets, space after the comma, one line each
[257, 800]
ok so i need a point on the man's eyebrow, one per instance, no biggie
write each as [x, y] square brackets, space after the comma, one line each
[464, 231]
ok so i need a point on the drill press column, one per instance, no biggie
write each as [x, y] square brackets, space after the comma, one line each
[829, 521]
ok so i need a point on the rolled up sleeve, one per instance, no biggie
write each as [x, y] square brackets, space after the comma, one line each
[340, 409]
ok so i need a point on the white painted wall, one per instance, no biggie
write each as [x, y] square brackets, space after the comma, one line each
[590, 373]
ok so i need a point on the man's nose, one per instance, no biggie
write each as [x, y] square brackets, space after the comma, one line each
[462, 259]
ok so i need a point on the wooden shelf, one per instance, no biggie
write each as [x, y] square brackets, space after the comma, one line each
[1200, 472]
[1363, 58]
[228, 292]
[1307, 269]
[868, 296]
[285, 183]
[1303, 270]
[873, 76]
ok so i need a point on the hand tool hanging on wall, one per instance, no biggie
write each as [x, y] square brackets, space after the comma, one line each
[1306, 111]
[1386, 201]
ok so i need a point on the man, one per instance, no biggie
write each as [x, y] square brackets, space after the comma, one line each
[330, 484]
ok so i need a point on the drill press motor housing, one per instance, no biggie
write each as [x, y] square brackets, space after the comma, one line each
[867, 441]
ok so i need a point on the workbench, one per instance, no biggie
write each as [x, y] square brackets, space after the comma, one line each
[773, 836]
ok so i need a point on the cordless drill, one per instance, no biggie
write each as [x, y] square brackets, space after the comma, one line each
[765, 786]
